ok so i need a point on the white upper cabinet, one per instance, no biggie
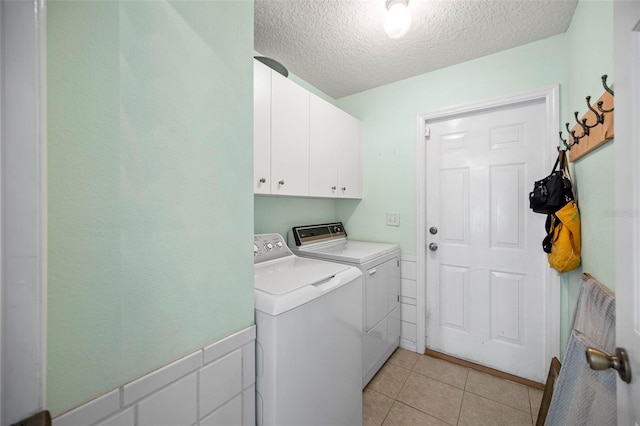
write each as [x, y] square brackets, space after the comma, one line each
[323, 148]
[349, 157]
[303, 145]
[289, 137]
[261, 128]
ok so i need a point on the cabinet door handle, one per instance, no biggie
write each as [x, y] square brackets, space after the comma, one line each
[333, 187]
[262, 180]
[372, 272]
[281, 182]
[344, 188]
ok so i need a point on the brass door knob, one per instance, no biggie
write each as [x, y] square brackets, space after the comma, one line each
[600, 360]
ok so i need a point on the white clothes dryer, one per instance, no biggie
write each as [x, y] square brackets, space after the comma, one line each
[309, 340]
[380, 264]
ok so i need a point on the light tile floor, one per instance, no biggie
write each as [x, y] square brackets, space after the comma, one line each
[412, 389]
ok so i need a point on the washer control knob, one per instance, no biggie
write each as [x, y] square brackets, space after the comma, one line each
[337, 229]
[255, 249]
[268, 247]
[279, 245]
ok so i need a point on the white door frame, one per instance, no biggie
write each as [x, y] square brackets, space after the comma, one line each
[550, 95]
[23, 208]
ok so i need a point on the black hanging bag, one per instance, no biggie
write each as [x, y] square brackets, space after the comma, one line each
[552, 193]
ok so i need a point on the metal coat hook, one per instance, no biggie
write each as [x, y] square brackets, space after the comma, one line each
[583, 123]
[602, 110]
[599, 117]
[576, 139]
[604, 83]
[564, 142]
[608, 89]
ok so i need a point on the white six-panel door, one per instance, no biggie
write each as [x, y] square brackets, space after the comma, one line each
[627, 202]
[485, 281]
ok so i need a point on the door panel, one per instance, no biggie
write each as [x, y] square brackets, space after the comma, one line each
[506, 307]
[507, 221]
[485, 281]
[455, 205]
[454, 300]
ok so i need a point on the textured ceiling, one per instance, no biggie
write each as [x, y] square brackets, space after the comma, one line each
[339, 46]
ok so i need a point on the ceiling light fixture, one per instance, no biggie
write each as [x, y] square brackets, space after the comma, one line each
[398, 19]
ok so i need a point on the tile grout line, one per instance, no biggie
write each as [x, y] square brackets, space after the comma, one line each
[530, 406]
[464, 392]
[395, 399]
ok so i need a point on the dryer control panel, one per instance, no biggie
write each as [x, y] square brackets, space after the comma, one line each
[315, 233]
[269, 247]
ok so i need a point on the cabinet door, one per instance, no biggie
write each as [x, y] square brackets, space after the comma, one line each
[349, 156]
[323, 148]
[261, 128]
[289, 137]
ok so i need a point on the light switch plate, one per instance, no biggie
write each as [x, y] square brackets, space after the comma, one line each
[393, 219]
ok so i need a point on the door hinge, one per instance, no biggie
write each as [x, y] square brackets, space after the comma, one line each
[427, 131]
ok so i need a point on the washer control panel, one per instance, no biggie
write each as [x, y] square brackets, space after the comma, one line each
[269, 247]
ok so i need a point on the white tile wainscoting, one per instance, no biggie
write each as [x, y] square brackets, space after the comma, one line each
[408, 302]
[212, 386]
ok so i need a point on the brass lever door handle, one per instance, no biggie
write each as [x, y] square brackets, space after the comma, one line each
[600, 360]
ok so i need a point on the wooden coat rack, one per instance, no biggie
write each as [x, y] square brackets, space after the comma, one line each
[594, 128]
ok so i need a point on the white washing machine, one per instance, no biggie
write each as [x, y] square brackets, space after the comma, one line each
[309, 340]
[380, 264]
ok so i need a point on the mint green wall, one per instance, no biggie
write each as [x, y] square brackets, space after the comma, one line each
[389, 115]
[280, 214]
[150, 205]
[590, 55]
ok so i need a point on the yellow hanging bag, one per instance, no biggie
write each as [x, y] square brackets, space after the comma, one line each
[566, 242]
